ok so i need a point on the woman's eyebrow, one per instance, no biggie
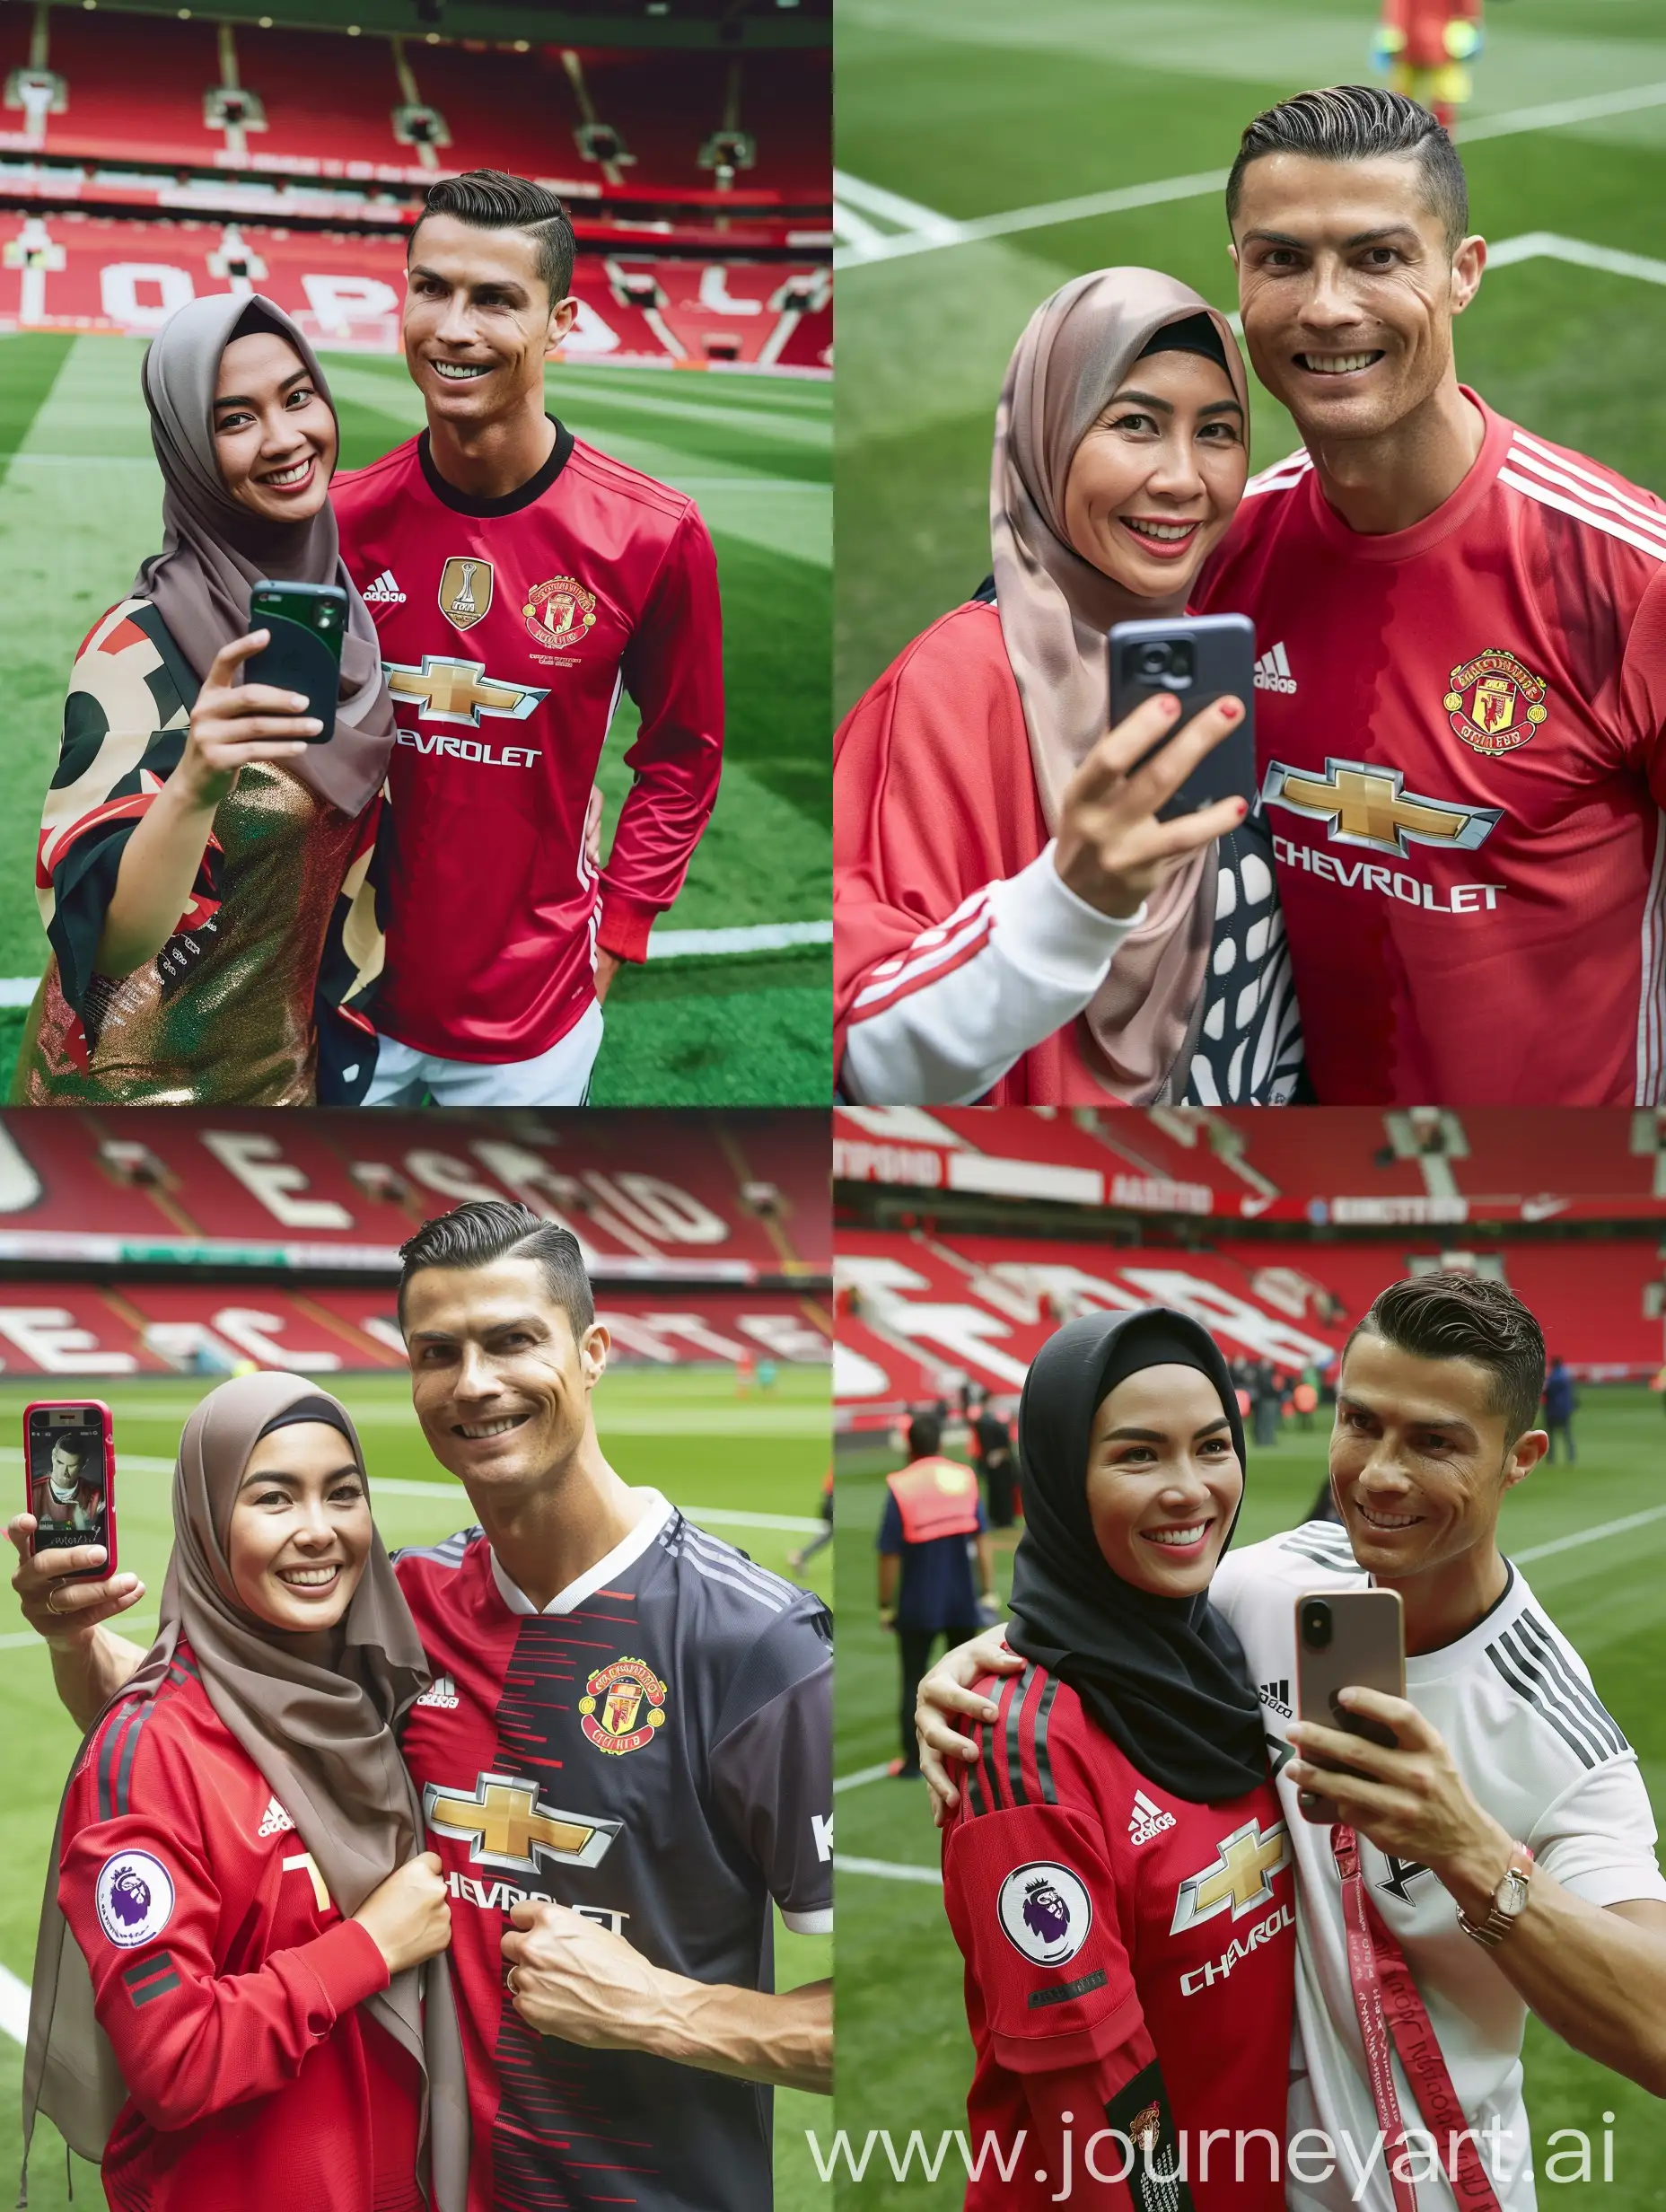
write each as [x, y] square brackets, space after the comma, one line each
[236, 399]
[1145, 399]
[288, 1474]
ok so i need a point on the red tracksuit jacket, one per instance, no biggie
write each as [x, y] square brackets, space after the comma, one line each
[227, 1980]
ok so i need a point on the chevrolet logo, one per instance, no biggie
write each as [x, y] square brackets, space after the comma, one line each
[460, 690]
[1242, 1876]
[505, 1825]
[1365, 806]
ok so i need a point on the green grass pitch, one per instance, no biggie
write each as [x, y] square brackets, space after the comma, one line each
[904, 2055]
[981, 109]
[684, 1431]
[80, 504]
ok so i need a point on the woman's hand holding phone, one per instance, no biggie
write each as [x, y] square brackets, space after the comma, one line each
[408, 1916]
[1111, 850]
[66, 1612]
[233, 724]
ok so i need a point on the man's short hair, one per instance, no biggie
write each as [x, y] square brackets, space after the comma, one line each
[1451, 1316]
[475, 1234]
[1356, 123]
[925, 1437]
[490, 200]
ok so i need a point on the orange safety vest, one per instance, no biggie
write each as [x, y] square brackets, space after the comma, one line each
[935, 1497]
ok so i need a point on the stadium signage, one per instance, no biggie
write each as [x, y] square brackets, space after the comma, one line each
[1156, 1194]
[1408, 1212]
[854, 1162]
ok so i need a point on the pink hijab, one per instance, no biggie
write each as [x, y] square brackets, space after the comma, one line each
[1055, 611]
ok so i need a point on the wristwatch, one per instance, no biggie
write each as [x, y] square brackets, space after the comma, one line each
[1508, 1900]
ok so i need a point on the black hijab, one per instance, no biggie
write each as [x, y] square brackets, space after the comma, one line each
[1163, 1677]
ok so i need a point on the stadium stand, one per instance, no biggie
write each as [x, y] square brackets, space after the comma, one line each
[978, 1308]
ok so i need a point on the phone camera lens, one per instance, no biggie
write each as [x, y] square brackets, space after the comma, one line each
[1316, 1624]
[1152, 659]
[1182, 663]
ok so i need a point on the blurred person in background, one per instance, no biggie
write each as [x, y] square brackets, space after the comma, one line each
[1423, 47]
[992, 1452]
[1561, 1403]
[933, 1524]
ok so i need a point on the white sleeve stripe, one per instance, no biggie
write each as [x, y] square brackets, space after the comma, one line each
[1548, 498]
[924, 969]
[934, 934]
[1528, 444]
[818, 1923]
[1596, 496]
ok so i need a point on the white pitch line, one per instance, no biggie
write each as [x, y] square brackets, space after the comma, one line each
[855, 1779]
[13, 2005]
[1589, 1536]
[1550, 246]
[886, 1869]
[931, 231]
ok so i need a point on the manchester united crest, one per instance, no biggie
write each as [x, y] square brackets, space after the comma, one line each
[560, 613]
[612, 1710]
[1494, 704]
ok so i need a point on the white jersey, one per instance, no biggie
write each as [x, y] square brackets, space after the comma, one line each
[1530, 1735]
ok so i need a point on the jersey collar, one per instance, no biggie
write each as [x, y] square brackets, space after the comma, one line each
[512, 502]
[656, 1511]
[1465, 1651]
[1453, 512]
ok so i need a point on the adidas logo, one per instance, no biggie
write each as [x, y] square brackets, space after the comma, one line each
[386, 593]
[441, 1691]
[1278, 1696]
[274, 1820]
[1147, 1820]
[1272, 671]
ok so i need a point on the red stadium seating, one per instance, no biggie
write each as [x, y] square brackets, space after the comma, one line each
[150, 1328]
[346, 290]
[1350, 1166]
[936, 1311]
[654, 1197]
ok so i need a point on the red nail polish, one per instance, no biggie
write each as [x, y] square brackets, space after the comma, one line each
[1231, 709]
[1171, 705]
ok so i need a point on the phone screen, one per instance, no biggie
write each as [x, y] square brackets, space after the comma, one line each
[67, 1450]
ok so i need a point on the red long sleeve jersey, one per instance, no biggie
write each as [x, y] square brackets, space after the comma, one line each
[1458, 730]
[508, 628]
[1114, 1933]
[227, 1981]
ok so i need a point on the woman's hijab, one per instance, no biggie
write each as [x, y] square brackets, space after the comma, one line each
[1054, 609]
[215, 551]
[1163, 1677]
[321, 1731]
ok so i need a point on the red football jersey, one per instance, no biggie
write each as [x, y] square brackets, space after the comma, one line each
[1126, 1952]
[1459, 732]
[226, 1979]
[508, 628]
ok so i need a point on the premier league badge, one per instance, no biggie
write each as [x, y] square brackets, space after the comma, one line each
[135, 1897]
[1045, 1913]
[1494, 704]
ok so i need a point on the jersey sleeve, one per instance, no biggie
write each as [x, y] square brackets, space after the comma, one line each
[125, 726]
[889, 1538]
[1643, 687]
[772, 1766]
[136, 1886]
[1597, 1837]
[957, 948]
[674, 669]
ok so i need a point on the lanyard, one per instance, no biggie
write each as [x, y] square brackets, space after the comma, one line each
[1386, 1999]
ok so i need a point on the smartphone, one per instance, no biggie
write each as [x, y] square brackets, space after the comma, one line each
[1200, 658]
[1348, 1639]
[69, 1464]
[308, 622]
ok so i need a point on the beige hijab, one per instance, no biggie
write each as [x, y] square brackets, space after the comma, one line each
[320, 1731]
[1055, 611]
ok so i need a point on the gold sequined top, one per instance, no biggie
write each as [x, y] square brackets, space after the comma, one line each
[223, 1014]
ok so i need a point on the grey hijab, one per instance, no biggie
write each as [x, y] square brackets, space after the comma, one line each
[321, 1731]
[1054, 609]
[215, 551]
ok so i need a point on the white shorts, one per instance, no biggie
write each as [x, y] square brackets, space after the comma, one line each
[558, 1077]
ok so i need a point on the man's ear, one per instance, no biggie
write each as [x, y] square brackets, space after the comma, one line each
[1468, 263]
[563, 315]
[1525, 1454]
[594, 1346]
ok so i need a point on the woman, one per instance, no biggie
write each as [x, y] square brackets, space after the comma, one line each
[1012, 922]
[244, 2017]
[194, 845]
[1117, 1873]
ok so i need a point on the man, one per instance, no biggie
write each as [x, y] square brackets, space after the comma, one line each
[933, 1521]
[1422, 47]
[992, 1449]
[1462, 765]
[624, 1755]
[519, 580]
[1561, 1402]
[1501, 1742]
[70, 1496]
